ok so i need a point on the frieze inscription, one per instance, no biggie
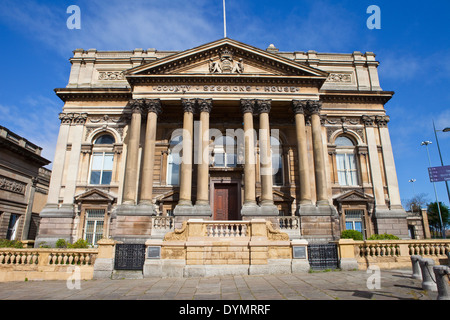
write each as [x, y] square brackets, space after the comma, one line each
[225, 88]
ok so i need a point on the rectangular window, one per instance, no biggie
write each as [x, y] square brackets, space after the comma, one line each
[173, 170]
[101, 168]
[12, 227]
[346, 168]
[354, 220]
[93, 230]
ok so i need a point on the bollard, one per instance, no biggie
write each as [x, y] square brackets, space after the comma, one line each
[417, 274]
[441, 274]
[448, 258]
[426, 266]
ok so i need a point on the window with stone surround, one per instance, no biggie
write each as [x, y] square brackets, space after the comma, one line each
[346, 161]
[102, 160]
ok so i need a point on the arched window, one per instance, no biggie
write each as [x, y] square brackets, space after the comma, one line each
[225, 152]
[346, 161]
[105, 139]
[277, 161]
[102, 160]
[174, 161]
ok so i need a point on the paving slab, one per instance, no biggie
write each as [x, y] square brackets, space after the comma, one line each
[335, 285]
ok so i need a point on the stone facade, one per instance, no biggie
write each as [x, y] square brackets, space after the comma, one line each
[24, 184]
[320, 151]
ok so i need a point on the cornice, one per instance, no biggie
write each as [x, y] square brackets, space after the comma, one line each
[96, 94]
[356, 96]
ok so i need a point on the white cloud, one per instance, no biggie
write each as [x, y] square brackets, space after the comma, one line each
[117, 25]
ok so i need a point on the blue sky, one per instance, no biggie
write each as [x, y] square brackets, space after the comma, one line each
[413, 47]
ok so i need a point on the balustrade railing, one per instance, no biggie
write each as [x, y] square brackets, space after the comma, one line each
[288, 223]
[227, 229]
[393, 248]
[9, 256]
[162, 222]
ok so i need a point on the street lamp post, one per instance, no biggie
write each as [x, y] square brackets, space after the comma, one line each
[426, 143]
[414, 194]
[440, 155]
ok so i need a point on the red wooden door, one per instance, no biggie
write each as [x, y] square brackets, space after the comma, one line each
[225, 202]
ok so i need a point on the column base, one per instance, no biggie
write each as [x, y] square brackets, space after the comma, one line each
[135, 210]
[183, 208]
[202, 209]
[250, 209]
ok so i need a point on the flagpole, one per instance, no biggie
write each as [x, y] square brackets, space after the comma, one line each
[224, 21]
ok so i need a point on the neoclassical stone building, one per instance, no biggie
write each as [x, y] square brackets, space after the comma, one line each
[223, 131]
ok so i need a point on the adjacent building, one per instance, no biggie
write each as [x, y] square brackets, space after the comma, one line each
[223, 131]
[24, 186]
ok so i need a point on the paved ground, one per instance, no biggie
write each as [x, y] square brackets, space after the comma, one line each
[336, 285]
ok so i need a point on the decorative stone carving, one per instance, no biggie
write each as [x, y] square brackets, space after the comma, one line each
[247, 105]
[339, 77]
[177, 234]
[273, 234]
[12, 185]
[226, 63]
[111, 75]
[105, 118]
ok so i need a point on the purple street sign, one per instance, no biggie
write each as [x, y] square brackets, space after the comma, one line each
[438, 174]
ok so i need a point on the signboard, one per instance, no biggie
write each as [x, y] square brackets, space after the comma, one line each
[154, 253]
[299, 252]
[438, 174]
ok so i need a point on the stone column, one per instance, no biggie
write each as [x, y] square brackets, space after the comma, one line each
[267, 205]
[389, 164]
[153, 109]
[250, 207]
[374, 162]
[202, 206]
[319, 160]
[302, 151]
[131, 169]
[184, 205]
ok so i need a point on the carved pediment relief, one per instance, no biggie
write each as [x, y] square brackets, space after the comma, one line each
[226, 57]
[94, 195]
[354, 196]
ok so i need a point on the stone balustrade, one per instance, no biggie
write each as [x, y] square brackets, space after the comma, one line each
[45, 264]
[391, 254]
[227, 229]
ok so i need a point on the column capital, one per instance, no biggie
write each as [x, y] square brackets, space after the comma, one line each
[66, 118]
[264, 106]
[368, 120]
[153, 105]
[314, 106]
[188, 105]
[137, 105]
[247, 105]
[382, 121]
[299, 106]
[204, 105]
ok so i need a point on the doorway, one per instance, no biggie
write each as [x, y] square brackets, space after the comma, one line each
[226, 201]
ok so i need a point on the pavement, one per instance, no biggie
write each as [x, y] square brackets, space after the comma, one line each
[332, 285]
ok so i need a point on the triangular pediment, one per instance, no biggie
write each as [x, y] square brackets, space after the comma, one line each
[95, 195]
[354, 196]
[226, 57]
